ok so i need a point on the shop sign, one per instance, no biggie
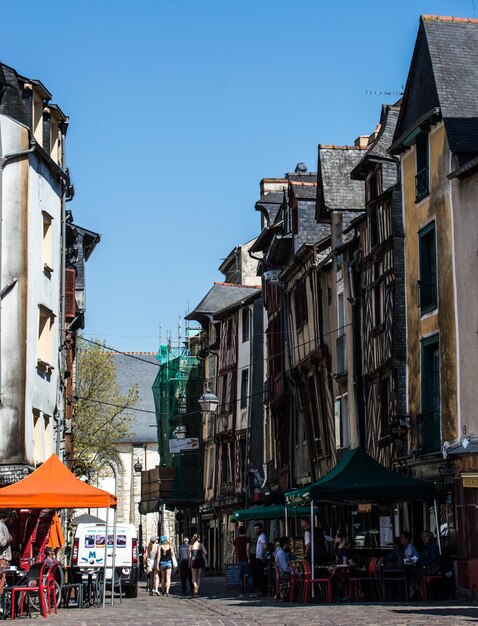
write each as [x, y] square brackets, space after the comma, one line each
[364, 508]
[183, 445]
[470, 480]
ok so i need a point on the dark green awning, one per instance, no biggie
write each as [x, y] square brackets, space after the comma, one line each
[359, 478]
[273, 511]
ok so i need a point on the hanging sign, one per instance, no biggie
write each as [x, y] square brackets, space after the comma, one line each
[183, 445]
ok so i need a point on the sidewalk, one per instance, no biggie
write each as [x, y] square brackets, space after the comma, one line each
[218, 607]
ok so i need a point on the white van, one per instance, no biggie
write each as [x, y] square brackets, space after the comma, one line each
[89, 552]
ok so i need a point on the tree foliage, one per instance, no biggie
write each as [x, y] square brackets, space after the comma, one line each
[100, 417]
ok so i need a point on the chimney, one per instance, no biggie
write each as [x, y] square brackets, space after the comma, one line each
[361, 141]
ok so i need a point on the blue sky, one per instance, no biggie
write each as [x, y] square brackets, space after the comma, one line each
[178, 109]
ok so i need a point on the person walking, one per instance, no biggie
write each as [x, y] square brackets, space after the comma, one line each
[185, 566]
[5, 549]
[151, 566]
[198, 555]
[258, 559]
[242, 545]
[167, 561]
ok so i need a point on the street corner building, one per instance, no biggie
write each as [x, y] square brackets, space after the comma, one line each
[42, 277]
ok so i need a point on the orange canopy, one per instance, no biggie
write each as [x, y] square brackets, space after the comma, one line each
[53, 486]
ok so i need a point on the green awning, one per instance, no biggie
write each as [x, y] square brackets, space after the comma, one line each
[273, 511]
[359, 478]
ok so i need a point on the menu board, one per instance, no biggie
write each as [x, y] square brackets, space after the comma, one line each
[233, 575]
[297, 548]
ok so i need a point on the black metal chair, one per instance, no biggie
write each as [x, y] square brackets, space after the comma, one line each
[394, 581]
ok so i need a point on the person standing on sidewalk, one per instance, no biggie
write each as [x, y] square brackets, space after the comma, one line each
[198, 561]
[259, 559]
[167, 561]
[242, 545]
[5, 548]
[185, 566]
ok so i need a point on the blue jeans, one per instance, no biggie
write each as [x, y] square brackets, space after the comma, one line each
[243, 568]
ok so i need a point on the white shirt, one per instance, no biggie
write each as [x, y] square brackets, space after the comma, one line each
[307, 537]
[261, 548]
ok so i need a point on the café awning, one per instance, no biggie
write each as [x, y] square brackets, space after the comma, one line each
[360, 478]
[273, 511]
[53, 486]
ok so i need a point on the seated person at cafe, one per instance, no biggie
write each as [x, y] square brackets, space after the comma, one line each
[411, 553]
[397, 554]
[343, 553]
[282, 558]
[343, 547]
[305, 523]
[429, 559]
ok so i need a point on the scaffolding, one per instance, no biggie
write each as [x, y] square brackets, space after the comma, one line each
[176, 391]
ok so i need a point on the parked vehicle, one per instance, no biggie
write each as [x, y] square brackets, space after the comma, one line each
[89, 552]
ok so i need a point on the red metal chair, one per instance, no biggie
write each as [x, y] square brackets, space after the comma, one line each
[35, 583]
[426, 580]
[373, 580]
[290, 582]
[309, 581]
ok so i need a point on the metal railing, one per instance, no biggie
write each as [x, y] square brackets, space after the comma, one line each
[422, 188]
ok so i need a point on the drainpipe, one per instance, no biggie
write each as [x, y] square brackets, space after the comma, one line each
[7, 158]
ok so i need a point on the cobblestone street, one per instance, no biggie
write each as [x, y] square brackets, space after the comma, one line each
[215, 608]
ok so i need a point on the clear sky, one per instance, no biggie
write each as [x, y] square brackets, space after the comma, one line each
[179, 107]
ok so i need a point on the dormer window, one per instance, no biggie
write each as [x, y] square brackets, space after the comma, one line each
[422, 186]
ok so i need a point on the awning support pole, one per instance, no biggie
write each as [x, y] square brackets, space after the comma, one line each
[105, 558]
[312, 542]
[437, 520]
[286, 521]
[113, 559]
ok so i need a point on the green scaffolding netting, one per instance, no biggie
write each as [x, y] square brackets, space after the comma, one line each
[176, 391]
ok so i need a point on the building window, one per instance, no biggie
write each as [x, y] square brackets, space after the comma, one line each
[374, 236]
[245, 325]
[300, 302]
[47, 243]
[46, 321]
[341, 338]
[341, 414]
[422, 186]
[244, 388]
[429, 419]
[428, 269]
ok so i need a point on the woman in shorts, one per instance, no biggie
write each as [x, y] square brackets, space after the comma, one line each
[198, 562]
[167, 560]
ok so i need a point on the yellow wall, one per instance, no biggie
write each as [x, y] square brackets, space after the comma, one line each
[442, 321]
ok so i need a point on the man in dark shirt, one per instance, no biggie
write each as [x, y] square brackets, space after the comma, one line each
[242, 544]
[429, 560]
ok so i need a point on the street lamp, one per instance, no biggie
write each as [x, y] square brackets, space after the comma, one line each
[208, 402]
[180, 431]
[138, 466]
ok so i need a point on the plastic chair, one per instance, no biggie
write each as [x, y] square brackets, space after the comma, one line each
[36, 583]
[76, 585]
[394, 575]
[373, 580]
[425, 582]
[310, 580]
[113, 584]
[280, 582]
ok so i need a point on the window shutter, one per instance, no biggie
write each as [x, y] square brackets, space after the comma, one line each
[70, 301]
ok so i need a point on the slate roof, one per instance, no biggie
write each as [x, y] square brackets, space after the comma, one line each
[218, 297]
[142, 371]
[270, 203]
[378, 149]
[443, 73]
[238, 304]
[336, 191]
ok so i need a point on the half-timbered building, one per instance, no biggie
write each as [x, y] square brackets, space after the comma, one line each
[382, 297]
